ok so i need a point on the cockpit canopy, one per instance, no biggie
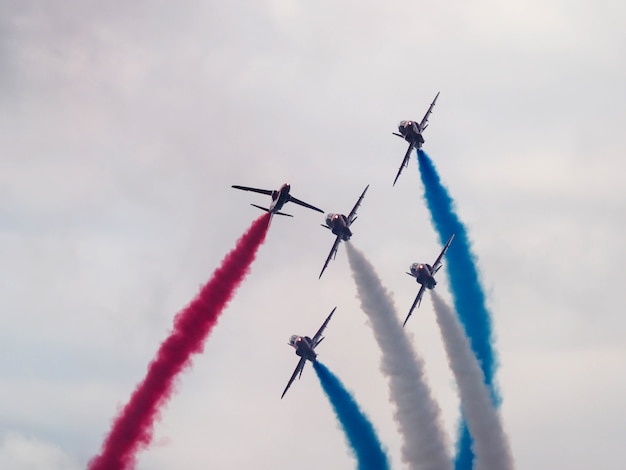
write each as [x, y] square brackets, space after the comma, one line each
[405, 127]
[293, 339]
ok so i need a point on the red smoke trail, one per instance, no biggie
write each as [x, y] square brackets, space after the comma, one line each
[132, 430]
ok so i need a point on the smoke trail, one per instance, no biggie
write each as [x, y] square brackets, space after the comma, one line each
[491, 445]
[359, 431]
[132, 430]
[469, 298]
[468, 295]
[417, 414]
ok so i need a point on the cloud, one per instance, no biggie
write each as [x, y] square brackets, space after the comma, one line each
[20, 452]
[123, 125]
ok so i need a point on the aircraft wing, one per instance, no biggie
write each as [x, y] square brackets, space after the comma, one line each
[424, 122]
[304, 204]
[416, 302]
[352, 215]
[254, 190]
[299, 368]
[318, 336]
[437, 263]
[333, 252]
[405, 162]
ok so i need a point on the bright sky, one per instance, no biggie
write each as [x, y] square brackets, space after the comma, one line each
[123, 126]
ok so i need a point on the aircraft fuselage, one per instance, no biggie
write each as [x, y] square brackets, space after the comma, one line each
[411, 133]
[279, 198]
[422, 273]
[303, 346]
[338, 224]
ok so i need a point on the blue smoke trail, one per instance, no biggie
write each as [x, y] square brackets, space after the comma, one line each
[464, 458]
[468, 295]
[359, 431]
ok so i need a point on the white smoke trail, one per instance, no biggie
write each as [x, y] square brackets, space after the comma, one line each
[417, 414]
[491, 445]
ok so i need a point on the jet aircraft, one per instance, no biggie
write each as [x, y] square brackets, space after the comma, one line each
[339, 224]
[411, 131]
[305, 348]
[424, 274]
[279, 199]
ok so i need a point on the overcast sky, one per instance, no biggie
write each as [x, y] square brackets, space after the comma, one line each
[123, 126]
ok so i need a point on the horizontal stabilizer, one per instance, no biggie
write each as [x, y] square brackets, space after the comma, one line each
[267, 210]
[325, 226]
[399, 135]
[259, 207]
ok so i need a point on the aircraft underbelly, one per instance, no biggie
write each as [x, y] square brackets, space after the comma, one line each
[305, 351]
